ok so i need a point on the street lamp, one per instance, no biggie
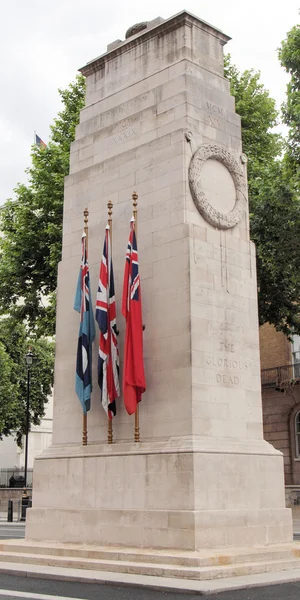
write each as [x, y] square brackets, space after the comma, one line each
[29, 360]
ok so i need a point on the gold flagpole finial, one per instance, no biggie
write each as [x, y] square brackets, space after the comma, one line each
[134, 200]
[86, 216]
[86, 219]
[109, 208]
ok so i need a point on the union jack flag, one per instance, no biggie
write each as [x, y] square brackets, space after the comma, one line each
[108, 359]
[134, 384]
[83, 378]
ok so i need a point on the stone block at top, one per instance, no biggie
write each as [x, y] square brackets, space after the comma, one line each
[142, 32]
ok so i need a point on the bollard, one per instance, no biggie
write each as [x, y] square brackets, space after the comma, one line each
[24, 505]
[10, 511]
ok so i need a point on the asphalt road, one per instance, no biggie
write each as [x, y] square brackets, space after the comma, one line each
[12, 530]
[34, 589]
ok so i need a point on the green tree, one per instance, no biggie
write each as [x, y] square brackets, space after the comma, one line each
[14, 344]
[9, 408]
[274, 206]
[30, 248]
[289, 56]
[258, 118]
[275, 228]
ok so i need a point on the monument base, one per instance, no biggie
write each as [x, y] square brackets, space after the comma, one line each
[182, 493]
[186, 530]
[146, 567]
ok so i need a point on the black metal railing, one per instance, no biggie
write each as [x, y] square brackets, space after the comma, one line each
[14, 478]
[276, 376]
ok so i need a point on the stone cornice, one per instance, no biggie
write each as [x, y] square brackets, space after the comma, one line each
[182, 18]
[171, 445]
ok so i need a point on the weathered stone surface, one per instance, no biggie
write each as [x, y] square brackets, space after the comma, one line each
[202, 476]
[137, 28]
[217, 218]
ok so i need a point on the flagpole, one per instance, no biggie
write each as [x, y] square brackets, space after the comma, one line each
[137, 412]
[109, 221]
[86, 231]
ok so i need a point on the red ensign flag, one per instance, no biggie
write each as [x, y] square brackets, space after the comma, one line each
[134, 384]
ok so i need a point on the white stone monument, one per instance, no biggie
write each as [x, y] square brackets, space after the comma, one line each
[159, 119]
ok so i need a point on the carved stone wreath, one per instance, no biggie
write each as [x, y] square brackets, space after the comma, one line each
[136, 28]
[210, 214]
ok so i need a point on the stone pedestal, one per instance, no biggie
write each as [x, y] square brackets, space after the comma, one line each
[159, 119]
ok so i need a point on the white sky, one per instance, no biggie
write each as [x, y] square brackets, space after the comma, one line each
[44, 42]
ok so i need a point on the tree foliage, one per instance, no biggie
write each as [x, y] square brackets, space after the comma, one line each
[274, 206]
[30, 248]
[258, 118]
[275, 228]
[289, 56]
[14, 344]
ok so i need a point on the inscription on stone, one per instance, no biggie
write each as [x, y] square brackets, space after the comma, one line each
[226, 379]
[226, 367]
[122, 125]
[213, 121]
[214, 108]
[226, 346]
[226, 363]
[124, 136]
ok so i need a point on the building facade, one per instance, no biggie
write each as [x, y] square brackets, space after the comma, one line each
[280, 374]
[13, 458]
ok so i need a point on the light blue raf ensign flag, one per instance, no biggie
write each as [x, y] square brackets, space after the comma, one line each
[83, 378]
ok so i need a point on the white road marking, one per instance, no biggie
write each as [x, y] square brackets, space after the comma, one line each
[17, 594]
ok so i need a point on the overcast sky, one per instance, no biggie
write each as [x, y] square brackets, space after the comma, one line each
[44, 42]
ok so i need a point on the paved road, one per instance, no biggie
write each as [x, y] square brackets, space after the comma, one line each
[12, 530]
[16, 588]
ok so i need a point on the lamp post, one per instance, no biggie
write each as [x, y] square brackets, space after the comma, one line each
[29, 359]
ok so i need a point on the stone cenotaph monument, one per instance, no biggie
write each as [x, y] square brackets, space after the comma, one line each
[159, 120]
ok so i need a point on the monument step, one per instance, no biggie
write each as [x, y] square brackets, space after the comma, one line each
[159, 570]
[190, 559]
[152, 569]
[203, 558]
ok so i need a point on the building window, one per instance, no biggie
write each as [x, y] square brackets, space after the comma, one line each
[296, 356]
[297, 432]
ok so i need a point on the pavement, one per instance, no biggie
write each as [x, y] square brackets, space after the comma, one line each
[15, 588]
